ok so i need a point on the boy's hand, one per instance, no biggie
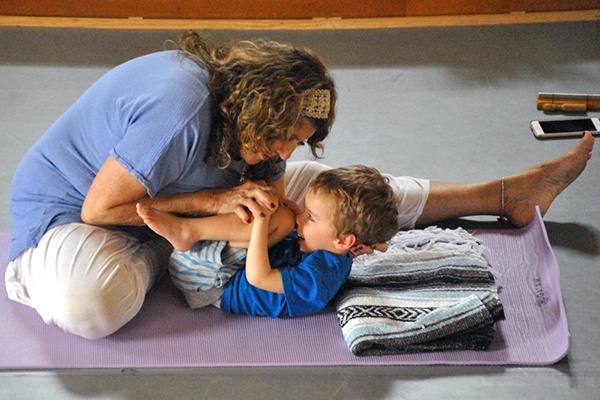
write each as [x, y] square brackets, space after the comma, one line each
[360, 249]
[258, 267]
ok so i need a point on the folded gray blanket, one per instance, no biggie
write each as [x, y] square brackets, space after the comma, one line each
[433, 290]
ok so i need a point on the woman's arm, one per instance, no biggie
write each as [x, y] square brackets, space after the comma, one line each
[258, 268]
[114, 193]
[112, 196]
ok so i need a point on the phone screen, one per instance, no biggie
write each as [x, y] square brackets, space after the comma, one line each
[568, 125]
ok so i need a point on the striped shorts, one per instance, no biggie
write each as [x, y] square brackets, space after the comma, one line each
[202, 272]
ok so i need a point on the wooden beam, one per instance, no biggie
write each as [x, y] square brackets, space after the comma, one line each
[205, 9]
[429, 8]
[302, 24]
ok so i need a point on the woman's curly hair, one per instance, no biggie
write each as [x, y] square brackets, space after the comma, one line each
[257, 89]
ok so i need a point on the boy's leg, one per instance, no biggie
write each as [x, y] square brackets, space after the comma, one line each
[202, 272]
[182, 233]
[87, 280]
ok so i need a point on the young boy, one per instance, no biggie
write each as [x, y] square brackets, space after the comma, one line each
[344, 208]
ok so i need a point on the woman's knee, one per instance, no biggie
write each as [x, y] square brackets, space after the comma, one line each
[92, 309]
[85, 280]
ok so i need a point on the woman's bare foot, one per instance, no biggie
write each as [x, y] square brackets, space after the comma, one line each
[540, 184]
[172, 228]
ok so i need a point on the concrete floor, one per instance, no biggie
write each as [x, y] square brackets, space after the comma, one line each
[449, 104]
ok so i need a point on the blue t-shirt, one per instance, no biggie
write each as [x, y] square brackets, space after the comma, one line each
[152, 114]
[310, 281]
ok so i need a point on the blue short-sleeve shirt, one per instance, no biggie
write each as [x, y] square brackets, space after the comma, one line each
[310, 282]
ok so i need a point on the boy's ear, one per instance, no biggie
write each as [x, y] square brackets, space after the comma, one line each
[347, 241]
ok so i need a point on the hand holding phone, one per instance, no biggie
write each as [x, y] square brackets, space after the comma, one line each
[564, 128]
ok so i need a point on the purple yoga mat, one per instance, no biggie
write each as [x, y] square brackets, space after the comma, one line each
[168, 334]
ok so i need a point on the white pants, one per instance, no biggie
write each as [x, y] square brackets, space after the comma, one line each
[90, 281]
[412, 192]
[87, 280]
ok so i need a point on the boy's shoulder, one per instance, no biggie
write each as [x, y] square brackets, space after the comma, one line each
[323, 259]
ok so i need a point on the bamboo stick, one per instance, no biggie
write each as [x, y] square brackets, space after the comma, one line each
[568, 102]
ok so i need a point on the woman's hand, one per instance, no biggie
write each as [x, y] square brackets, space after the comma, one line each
[292, 205]
[246, 200]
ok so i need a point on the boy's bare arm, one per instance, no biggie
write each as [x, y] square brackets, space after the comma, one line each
[258, 268]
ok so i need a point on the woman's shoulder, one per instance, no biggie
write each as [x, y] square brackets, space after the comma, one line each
[166, 66]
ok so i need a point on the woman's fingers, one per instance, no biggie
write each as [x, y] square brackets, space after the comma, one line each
[251, 199]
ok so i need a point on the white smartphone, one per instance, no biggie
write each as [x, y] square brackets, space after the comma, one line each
[564, 128]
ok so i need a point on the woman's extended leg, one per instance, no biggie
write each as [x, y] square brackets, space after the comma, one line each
[536, 186]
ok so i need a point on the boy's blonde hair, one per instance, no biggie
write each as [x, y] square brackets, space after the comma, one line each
[365, 204]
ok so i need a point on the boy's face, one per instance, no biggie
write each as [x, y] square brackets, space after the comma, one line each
[315, 229]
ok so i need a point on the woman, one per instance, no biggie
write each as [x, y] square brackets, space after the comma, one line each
[199, 131]
[177, 130]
